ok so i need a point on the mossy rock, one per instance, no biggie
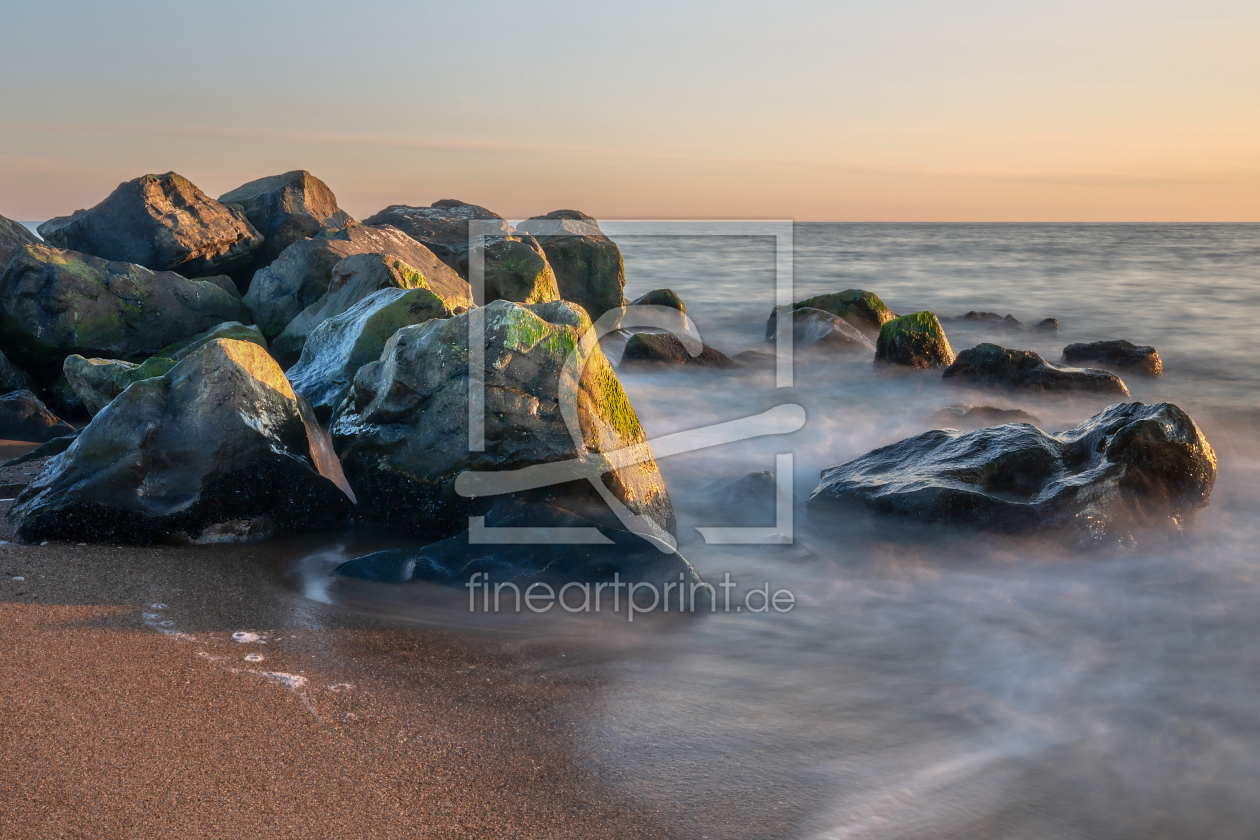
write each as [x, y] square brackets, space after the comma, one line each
[916, 341]
[96, 382]
[859, 307]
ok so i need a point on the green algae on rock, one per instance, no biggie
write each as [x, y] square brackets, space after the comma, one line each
[916, 341]
[859, 307]
[588, 265]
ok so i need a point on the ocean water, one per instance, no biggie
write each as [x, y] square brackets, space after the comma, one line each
[934, 683]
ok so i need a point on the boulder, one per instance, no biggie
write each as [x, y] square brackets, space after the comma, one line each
[403, 430]
[988, 365]
[234, 330]
[24, 417]
[218, 445]
[56, 303]
[13, 378]
[13, 235]
[516, 269]
[353, 279]
[339, 346]
[915, 341]
[442, 227]
[97, 381]
[666, 349]
[284, 208]
[966, 416]
[661, 297]
[991, 318]
[1049, 325]
[821, 329]
[162, 222]
[588, 265]
[303, 272]
[860, 308]
[1129, 467]
[1141, 358]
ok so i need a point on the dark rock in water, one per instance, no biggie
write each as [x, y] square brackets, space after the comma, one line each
[1049, 325]
[339, 346]
[13, 235]
[979, 416]
[916, 341]
[97, 381]
[56, 303]
[47, 449]
[403, 430]
[661, 297]
[24, 417]
[284, 208]
[162, 222]
[989, 318]
[220, 438]
[353, 279]
[758, 489]
[759, 359]
[13, 378]
[588, 265]
[455, 560]
[1122, 354]
[442, 227]
[1130, 467]
[666, 349]
[303, 272]
[821, 329]
[989, 365]
[859, 307]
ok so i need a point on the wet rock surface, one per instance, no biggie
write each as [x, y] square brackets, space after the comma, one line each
[915, 341]
[820, 329]
[989, 366]
[55, 303]
[1140, 358]
[650, 349]
[588, 265]
[24, 417]
[219, 439]
[403, 431]
[1127, 469]
[162, 222]
[859, 307]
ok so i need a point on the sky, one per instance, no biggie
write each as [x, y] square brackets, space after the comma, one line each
[857, 110]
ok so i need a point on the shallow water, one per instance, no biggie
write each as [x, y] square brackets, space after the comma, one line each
[930, 683]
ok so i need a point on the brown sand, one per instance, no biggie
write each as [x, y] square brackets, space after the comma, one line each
[114, 724]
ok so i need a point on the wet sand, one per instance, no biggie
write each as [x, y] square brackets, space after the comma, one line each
[127, 709]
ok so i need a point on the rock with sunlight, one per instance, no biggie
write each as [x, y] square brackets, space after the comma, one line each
[660, 349]
[162, 222]
[661, 297]
[1129, 468]
[403, 431]
[990, 366]
[1139, 358]
[24, 417]
[588, 265]
[13, 236]
[859, 307]
[303, 272]
[56, 303]
[219, 448]
[97, 381]
[914, 341]
[442, 227]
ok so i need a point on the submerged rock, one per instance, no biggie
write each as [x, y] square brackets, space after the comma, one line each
[666, 349]
[339, 346]
[1129, 467]
[403, 430]
[353, 279]
[220, 438]
[13, 235]
[661, 297]
[989, 318]
[24, 417]
[284, 208]
[989, 365]
[1122, 354]
[1049, 325]
[162, 222]
[303, 272]
[587, 264]
[821, 329]
[859, 307]
[916, 341]
[56, 303]
[97, 381]
[979, 416]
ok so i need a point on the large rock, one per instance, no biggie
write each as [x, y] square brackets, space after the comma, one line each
[916, 341]
[162, 222]
[303, 272]
[661, 297]
[353, 279]
[284, 208]
[1141, 358]
[822, 330]
[97, 381]
[1130, 467]
[859, 307]
[442, 227]
[219, 445]
[665, 349]
[516, 269]
[13, 235]
[234, 330]
[588, 265]
[340, 345]
[988, 365]
[24, 417]
[56, 303]
[403, 430]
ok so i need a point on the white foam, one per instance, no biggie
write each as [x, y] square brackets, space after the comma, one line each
[245, 637]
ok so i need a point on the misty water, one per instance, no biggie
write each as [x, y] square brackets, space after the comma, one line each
[933, 683]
